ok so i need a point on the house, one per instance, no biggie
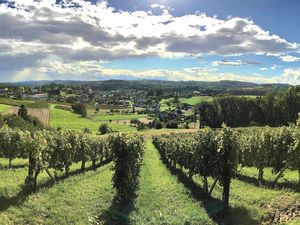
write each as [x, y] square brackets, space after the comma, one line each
[42, 96]
[35, 90]
[3, 90]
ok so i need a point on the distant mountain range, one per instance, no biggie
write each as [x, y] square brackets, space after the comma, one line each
[224, 83]
[203, 87]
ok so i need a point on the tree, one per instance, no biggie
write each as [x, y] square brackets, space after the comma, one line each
[157, 124]
[134, 121]
[172, 124]
[104, 129]
[23, 112]
[141, 126]
[80, 108]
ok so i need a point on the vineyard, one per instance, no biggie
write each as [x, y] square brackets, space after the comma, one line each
[228, 176]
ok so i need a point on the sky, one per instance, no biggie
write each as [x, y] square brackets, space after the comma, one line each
[204, 40]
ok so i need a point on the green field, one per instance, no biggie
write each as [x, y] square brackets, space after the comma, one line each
[116, 117]
[67, 119]
[164, 197]
[167, 104]
[3, 107]
[28, 103]
[195, 100]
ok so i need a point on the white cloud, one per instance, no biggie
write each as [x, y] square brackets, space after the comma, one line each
[288, 58]
[234, 63]
[291, 75]
[102, 32]
[73, 36]
[275, 67]
[263, 69]
[199, 70]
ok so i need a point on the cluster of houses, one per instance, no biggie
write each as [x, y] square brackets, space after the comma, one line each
[32, 93]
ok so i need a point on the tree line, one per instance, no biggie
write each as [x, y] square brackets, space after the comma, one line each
[272, 109]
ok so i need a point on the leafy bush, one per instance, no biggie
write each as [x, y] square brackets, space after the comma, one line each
[172, 125]
[104, 129]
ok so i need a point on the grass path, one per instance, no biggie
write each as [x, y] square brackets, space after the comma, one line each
[162, 199]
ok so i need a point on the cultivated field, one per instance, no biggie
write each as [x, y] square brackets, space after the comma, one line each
[116, 117]
[42, 114]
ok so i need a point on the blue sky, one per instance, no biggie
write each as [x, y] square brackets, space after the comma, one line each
[210, 40]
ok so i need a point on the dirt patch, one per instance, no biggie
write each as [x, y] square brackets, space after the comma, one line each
[284, 215]
[42, 114]
[142, 120]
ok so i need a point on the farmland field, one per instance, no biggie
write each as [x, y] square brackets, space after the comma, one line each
[42, 114]
[117, 116]
[68, 119]
[28, 103]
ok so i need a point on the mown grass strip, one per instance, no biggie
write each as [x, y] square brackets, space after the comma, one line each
[162, 199]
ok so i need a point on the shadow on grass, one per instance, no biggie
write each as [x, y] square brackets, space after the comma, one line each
[21, 196]
[269, 184]
[119, 211]
[213, 206]
[19, 166]
[117, 214]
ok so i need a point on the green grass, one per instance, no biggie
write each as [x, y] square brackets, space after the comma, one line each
[195, 100]
[3, 107]
[165, 104]
[162, 199]
[83, 198]
[67, 119]
[250, 203]
[116, 117]
[288, 176]
[28, 103]
[76, 200]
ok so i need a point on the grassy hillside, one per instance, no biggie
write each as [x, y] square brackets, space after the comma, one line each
[116, 117]
[68, 119]
[3, 107]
